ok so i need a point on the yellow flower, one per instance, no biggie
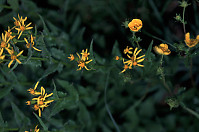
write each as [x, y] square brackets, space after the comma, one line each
[85, 55]
[162, 49]
[41, 101]
[20, 20]
[134, 60]
[82, 63]
[32, 43]
[126, 67]
[36, 130]
[9, 33]
[127, 50]
[32, 91]
[135, 25]
[5, 42]
[117, 57]
[22, 26]
[191, 42]
[1, 56]
[14, 57]
[71, 57]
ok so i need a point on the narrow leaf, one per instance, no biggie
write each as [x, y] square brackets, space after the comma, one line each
[41, 122]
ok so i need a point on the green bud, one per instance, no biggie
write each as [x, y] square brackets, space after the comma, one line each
[178, 18]
[172, 102]
[183, 3]
[125, 24]
[160, 70]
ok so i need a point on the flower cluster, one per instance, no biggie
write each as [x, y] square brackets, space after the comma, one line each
[133, 60]
[81, 60]
[11, 37]
[39, 102]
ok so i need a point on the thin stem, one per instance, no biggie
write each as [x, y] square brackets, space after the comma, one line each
[158, 39]
[183, 22]
[189, 110]
[106, 104]
[163, 77]
[10, 129]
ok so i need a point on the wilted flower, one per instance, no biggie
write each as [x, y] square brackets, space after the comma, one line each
[135, 25]
[191, 42]
[162, 49]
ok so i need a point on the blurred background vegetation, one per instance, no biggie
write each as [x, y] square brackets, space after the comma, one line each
[136, 98]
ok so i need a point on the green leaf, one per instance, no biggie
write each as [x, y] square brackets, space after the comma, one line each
[14, 4]
[5, 91]
[88, 95]
[51, 69]
[148, 53]
[2, 123]
[46, 31]
[115, 50]
[20, 118]
[75, 26]
[91, 52]
[67, 101]
[71, 126]
[55, 95]
[45, 52]
[84, 116]
[41, 122]
[2, 2]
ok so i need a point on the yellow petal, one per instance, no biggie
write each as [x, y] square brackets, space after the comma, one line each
[36, 85]
[10, 63]
[187, 37]
[20, 53]
[36, 49]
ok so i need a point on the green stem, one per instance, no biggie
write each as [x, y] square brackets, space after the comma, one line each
[163, 77]
[183, 22]
[158, 39]
[189, 110]
[106, 104]
[11, 129]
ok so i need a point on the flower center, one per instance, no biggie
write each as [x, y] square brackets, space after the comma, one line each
[22, 28]
[134, 63]
[81, 64]
[3, 44]
[41, 102]
[8, 34]
[14, 57]
[16, 23]
[36, 107]
[126, 67]
[28, 45]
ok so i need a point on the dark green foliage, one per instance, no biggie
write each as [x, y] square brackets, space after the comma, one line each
[137, 100]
